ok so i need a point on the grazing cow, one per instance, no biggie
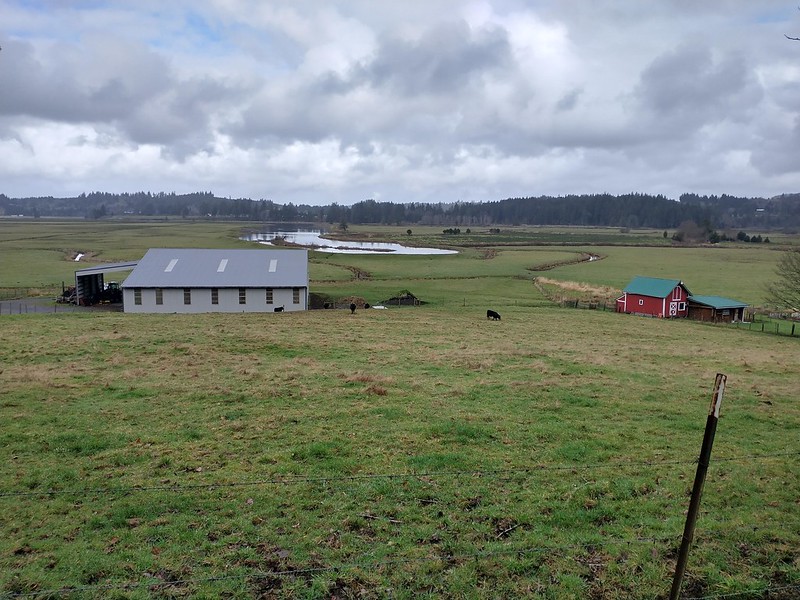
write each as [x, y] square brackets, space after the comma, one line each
[278, 309]
[494, 316]
[352, 308]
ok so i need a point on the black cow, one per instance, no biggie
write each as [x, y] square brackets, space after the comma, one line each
[494, 316]
[278, 309]
[352, 308]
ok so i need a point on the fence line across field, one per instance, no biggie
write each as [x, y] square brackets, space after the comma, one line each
[298, 479]
[365, 562]
[369, 563]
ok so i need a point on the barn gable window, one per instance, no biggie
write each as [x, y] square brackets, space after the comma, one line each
[242, 296]
[214, 296]
[296, 295]
[137, 296]
[187, 296]
[269, 296]
[159, 296]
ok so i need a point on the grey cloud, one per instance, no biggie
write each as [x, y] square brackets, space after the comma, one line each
[102, 81]
[444, 60]
[569, 101]
[405, 90]
[110, 82]
[181, 111]
[689, 84]
[777, 151]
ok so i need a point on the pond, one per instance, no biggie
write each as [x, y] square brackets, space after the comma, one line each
[314, 239]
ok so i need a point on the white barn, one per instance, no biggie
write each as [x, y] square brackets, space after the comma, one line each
[202, 281]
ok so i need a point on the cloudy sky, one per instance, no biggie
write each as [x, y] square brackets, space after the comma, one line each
[320, 101]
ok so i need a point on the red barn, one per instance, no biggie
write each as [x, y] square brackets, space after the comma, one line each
[655, 298]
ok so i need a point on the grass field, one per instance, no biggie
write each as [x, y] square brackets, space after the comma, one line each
[411, 452]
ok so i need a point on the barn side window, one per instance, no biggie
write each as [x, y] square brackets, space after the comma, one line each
[137, 296]
[681, 306]
[269, 296]
[214, 296]
[187, 296]
[641, 302]
[159, 296]
[242, 296]
[296, 295]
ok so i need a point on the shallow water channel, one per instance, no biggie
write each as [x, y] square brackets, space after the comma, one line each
[314, 239]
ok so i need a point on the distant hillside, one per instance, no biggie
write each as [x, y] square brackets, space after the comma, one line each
[628, 210]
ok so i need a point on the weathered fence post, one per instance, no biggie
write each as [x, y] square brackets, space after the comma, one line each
[699, 480]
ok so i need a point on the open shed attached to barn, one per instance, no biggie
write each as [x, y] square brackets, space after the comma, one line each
[716, 309]
[209, 280]
[654, 297]
[90, 282]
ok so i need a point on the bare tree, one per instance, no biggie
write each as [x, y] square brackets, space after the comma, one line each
[785, 292]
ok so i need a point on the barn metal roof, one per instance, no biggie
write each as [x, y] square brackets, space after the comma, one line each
[106, 268]
[212, 268]
[717, 302]
[653, 286]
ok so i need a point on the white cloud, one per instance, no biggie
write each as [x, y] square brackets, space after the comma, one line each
[430, 101]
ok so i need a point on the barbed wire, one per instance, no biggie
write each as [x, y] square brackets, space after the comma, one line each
[297, 479]
[362, 563]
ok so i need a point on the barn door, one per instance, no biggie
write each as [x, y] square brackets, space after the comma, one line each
[673, 309]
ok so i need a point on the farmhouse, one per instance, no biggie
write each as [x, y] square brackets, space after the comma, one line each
[654, 297]
[200, 281]
[716, 309]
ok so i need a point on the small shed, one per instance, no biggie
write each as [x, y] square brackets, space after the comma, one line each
[193, 280]
[654, 297]
[716, 309]
[90, 284]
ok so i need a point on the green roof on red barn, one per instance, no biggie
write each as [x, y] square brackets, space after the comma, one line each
[653, 286]
[718, 302]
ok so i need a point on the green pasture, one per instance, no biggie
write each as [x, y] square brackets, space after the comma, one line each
[469, 262]
[404, 453]
[39, 254]
[740, 272]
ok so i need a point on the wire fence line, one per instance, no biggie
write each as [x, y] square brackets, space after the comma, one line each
[299, 479]
[368, 562]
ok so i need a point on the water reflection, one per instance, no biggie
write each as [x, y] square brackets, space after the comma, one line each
[313, 239]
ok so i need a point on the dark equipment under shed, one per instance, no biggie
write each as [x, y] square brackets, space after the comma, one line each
[90, 287]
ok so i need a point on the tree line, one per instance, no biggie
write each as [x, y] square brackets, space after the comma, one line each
[606, 210]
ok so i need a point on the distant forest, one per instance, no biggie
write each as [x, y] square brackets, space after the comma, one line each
[628, 210]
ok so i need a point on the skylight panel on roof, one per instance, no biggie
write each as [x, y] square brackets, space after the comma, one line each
[222, 264]
[171, 265]
[273, 265]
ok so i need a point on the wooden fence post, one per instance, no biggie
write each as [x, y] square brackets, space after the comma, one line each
[699, 480]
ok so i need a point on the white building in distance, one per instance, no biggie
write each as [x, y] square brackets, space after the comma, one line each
[201, 281]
